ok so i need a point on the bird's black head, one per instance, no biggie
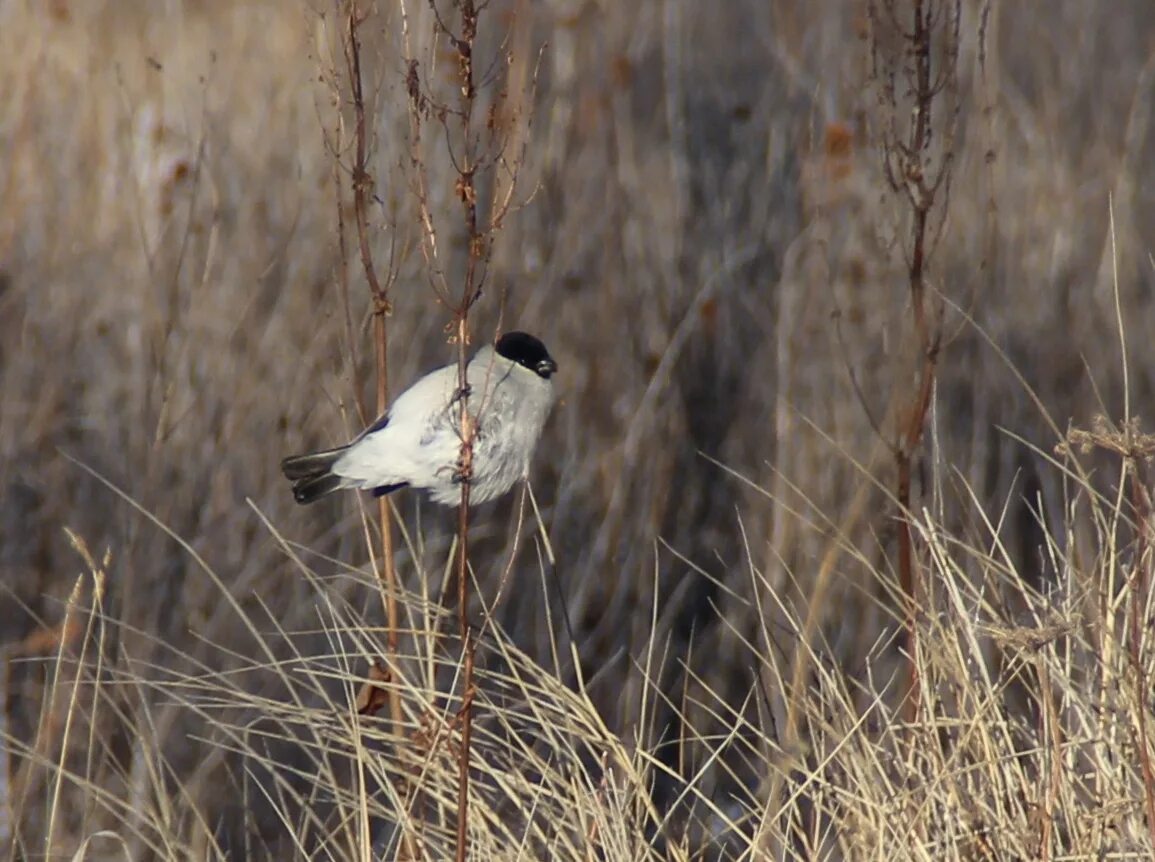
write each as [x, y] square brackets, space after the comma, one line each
[527, 352]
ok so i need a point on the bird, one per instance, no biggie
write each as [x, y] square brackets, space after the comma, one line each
[417, 442]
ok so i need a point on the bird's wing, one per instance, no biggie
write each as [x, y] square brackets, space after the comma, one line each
[425, 399]
[422, 407]
[392, 450]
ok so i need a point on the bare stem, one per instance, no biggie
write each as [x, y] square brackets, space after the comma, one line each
[363, 184]
[918, 168]
[470, 292]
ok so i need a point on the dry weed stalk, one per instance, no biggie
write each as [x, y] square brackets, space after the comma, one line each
[914, 52]
[353, 16]
[363, 186]
[476, 150]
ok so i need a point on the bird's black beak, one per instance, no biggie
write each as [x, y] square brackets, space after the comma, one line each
[546, 367]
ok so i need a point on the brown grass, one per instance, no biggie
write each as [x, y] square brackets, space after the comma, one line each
[705, 239]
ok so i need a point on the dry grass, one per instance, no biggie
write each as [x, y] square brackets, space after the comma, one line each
[707, 245]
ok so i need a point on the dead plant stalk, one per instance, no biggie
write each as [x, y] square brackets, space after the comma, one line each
[363, 191]
[362, 183]
[917, 157]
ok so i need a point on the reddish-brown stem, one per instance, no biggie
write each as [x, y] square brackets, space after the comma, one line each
[907, 165]
[470, 291]
[362, 192]
[466, 632]
[910, 585]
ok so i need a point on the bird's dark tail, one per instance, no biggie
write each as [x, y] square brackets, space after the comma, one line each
[312, 474]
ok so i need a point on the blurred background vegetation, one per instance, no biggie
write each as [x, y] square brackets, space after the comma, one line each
[705, 240]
